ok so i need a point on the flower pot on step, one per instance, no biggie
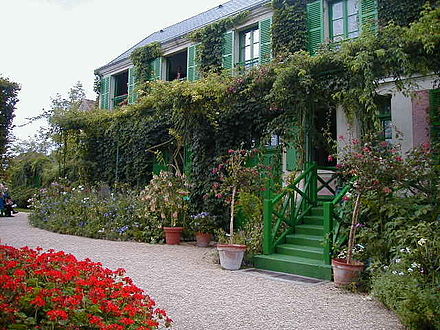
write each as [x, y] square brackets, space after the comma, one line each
[345, 274]
[231, 255]
[172, 235]
[203, 239]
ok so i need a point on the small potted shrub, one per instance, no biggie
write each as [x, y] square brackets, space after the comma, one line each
[203, 224]
[167, 196]
[234, 177]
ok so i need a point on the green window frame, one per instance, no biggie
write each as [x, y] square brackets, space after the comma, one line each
[344, 19]
[249, 47]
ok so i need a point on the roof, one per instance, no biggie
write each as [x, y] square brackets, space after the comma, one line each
[229, 8]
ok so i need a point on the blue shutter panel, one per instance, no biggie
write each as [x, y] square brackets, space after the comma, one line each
[265, 27]
[228, 50]
[156, 67]
[192, 67]
[315, 25]
[105, 93]
[369, 17]
[131, 86]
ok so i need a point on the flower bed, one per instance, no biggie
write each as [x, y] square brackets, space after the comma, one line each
[54, 290]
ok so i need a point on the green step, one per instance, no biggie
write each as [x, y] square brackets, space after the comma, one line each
[306, 229]
[307, 240]
[317, 210]
[301, 251]
[313, 220]
[294, 265]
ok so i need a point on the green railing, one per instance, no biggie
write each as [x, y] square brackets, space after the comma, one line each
[288, 209]
[283, 212]
[119, 100]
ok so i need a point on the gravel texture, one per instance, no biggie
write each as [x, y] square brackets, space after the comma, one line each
[198, 294]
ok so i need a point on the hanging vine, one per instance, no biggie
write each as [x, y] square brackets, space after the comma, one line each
[210, 42]
[142, 58]
[289, 26]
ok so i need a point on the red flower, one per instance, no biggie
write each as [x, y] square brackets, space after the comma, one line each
[38, 301]
[126, 321]
[57, 314]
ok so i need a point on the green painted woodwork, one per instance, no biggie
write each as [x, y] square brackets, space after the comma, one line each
[265, 27]
[156, 66]
[369, 14]
[291, 158]
[132, 97]
[315, 25]
[105, 93]
[303, 247]
[192, 66]
[228, 50]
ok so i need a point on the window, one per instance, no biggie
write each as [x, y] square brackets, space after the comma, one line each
[344, 19]
[176, 66]
[384, 107]
[121, 89]
[249, 47]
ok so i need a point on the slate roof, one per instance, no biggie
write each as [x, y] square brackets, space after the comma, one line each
[191, 24]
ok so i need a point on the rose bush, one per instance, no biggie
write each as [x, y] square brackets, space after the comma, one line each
[54, 290]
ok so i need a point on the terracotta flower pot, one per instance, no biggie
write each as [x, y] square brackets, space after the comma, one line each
[231, 255]
[344, 273]
[172, 235]
[203, 239]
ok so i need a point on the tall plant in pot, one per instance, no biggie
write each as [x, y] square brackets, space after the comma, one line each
[167, 196]
[234, 177]
[378, 168]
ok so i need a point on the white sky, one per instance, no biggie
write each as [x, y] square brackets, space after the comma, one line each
[48, 45]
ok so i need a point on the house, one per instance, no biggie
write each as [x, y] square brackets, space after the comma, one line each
[249, 43]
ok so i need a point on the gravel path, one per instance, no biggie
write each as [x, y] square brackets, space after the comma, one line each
[198, 294]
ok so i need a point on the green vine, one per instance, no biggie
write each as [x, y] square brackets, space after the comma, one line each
[210, 39]
[289, 26]
[401, 12]
[142, 58]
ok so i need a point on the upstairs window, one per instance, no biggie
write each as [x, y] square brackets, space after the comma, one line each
[344, 20]
[249, 47]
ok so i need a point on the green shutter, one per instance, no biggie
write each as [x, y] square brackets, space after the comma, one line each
[156, 67]
[368, 14]
[105, 93]
[265, 27]
[228, 50]
[315, 25]
[193, 70]
[131, 86]
[290, 158]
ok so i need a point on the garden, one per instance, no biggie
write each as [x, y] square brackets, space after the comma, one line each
[196, 157]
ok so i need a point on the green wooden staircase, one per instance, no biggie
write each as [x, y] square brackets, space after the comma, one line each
[298, 226]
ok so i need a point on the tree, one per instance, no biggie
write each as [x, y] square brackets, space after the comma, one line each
[8, 100]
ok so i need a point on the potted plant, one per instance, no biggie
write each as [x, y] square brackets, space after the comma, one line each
[167, 196]
[203, 224]
[233, 177]
[367, 161]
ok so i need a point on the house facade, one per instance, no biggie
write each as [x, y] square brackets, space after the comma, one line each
[300, 249]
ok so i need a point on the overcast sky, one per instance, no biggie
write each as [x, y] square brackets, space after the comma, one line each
[48, 45]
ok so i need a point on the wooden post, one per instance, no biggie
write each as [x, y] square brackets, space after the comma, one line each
[267, 229]
[328, 228]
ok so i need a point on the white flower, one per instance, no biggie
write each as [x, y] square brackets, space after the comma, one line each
[422, 241]
[397, 260]
[415, 265]
[401, 273]
[410, 270]
[394, 272]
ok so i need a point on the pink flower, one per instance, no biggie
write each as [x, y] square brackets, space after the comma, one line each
[366, 149]
[355, 141]
[330, 158]
[230, 151]
[341, 137]
[387, 190]
[219, 195]
[399, 159]
[345, 198]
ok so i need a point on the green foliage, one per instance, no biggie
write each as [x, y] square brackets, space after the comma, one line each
[210, 42]
[8, 100]
[409, 285]
[95, 212]
[401, 12]
[289, 26]
[142, 58]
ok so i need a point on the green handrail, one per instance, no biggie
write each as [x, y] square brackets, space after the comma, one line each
[294, 203]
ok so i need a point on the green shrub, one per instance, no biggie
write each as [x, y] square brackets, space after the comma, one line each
[95, 213]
